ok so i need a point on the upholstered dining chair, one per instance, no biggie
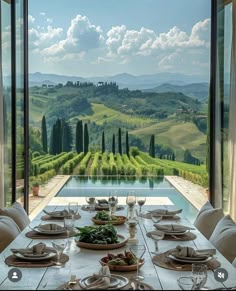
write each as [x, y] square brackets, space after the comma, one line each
[207, 219]
[17, 213]
[234, 263]
[9, 230]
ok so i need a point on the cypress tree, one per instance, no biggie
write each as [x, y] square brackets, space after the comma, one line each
[113, 144]
[86, 138]
[103, 142]
[58, 136]
[127, 143]
[79, 138]
[119, 141]
[152, 146]
[66, 138]
[52, 149]
[44, 135]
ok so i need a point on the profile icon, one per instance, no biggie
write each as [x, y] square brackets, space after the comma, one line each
[14, 275]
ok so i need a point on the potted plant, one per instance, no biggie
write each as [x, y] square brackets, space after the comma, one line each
[35, 188]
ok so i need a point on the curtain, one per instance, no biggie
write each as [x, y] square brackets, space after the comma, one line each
[232, 120]
[2, 202]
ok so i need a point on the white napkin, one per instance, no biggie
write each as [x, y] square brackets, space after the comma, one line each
[59, 213]
[159, 212]
[37, 249]
[101, 282]
[188, 252]
[175, 228]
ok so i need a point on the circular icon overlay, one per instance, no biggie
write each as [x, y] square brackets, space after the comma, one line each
[221, 275]
[14, 275]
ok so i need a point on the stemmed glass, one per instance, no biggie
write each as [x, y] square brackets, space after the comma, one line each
[156, 218]
[73, 208]
[59, 246]
[141, 201]
[91, 201]
[158, 235]
[112, 202]
[131, 199]
[199, 275]
[69, 224]
[138, 251]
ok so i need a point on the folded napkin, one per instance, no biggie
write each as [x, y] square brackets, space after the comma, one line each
[102, 201]
[61, 213]
[188, 252]
[37, 249]
[175, 228]
[50, 226]
[99, 281]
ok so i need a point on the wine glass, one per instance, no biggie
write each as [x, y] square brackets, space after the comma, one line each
[156, 236]
[141, 201]
[138, 251]
[92, 202]
[185, 283]
[68, 224]
[199, 274]
[131, 199]
[73, 208]
[59, 246]
[112, 202]
[156, 218]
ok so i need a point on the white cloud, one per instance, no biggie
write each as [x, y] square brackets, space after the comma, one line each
[31, 19]
[49, 20]
[42, 13]
[82, 36]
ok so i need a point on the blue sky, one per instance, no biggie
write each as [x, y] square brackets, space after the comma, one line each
[107, 37]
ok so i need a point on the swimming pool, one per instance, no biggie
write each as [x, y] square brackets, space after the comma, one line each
[149, 187]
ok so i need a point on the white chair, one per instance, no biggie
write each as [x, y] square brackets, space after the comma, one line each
[9, 230]
[18, 214]
[207, 219]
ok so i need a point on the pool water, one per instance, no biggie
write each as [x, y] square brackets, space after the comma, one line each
[149, 187]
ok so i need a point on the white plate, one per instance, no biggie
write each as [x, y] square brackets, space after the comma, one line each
[35, 258]
[44, 231]
[113, 281]
[190, 260]
[122, 282]
[175, 233]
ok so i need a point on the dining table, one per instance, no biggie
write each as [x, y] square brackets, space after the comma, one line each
[84, 262]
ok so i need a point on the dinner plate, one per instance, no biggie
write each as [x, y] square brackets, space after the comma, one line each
[122, 282]
[190, 260]
[30, 255]
[113, 281]
[121, 243]
[174, 233]
[120, 220]
[120, 268]
[45, 231]
[35, 258]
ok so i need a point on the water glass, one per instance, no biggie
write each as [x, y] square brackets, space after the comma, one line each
[92, 202]
[73, 208]
[59, 246]
[141, 201]
[185, 283]
[112, 202]
[158, 235]
[199, 274]
[138, 251]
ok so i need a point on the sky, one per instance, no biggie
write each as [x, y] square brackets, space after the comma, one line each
[107, 37]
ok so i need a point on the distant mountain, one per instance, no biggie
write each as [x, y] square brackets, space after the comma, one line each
[123, 80]
[198, 91]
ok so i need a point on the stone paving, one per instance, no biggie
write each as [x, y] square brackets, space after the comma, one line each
[195, 194]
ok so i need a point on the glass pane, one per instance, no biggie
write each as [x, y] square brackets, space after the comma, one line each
[6, 71]
[19, 102]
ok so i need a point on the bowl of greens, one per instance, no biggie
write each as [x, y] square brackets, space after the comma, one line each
[103, 217]
[102, 237]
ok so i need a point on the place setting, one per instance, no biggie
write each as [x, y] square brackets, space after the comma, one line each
[162, 214]
[39, 255]
[181, 258]
[173, 232]
[59, 215]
